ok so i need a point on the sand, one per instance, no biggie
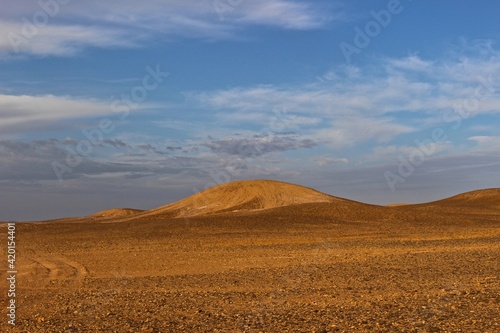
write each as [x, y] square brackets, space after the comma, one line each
[258, 259]
[242, 196]
[116, 212]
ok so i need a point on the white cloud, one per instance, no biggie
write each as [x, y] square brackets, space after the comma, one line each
[257, 145]
[282, 13]
[367, 93]
[21, 112]
[124, 23]
[413, 63]
[304, 99]
[286, 14]
[60, 40]
[486, 143]
[350, 131]
[325, 160]
[390, 153]
[351, 105]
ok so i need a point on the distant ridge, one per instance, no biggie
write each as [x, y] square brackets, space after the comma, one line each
[487, 198]
[265, 195]
[247, 195]
[398, 204]
[116, 212]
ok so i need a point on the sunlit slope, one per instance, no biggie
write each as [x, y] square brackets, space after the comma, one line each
[116, 212]
[241, 196]
[480, 199]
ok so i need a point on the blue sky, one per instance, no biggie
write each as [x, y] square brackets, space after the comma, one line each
[113, 104]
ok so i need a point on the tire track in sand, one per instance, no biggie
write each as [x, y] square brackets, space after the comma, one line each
[58, 268]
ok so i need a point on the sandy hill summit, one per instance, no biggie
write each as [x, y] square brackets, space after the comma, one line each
[258, 195]
[238, 196]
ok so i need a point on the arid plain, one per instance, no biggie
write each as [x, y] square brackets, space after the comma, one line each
[263, 256]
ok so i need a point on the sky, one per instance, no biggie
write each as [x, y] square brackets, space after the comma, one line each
[112, 103]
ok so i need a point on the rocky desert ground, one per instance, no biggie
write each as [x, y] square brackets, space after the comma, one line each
[262, 256]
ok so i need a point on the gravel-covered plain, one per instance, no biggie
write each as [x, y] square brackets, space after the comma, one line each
[308, 268]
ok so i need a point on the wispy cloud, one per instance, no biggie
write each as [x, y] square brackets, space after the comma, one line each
[58, 40]
[350, 105]
[196, 15]
[486, 143]
[413, 63]
[24, 108]
[284, 14]
[440, 86]
[326, 160]
[351, 131]
[110, 24]
[22, 112]
[257, 145]
[32, 161]
[391, 153]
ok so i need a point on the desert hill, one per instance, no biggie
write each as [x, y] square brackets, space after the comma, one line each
[254, 196]
[289, 259]
[479, 199]
[397, 204]
[116, 212]
[241, 196]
